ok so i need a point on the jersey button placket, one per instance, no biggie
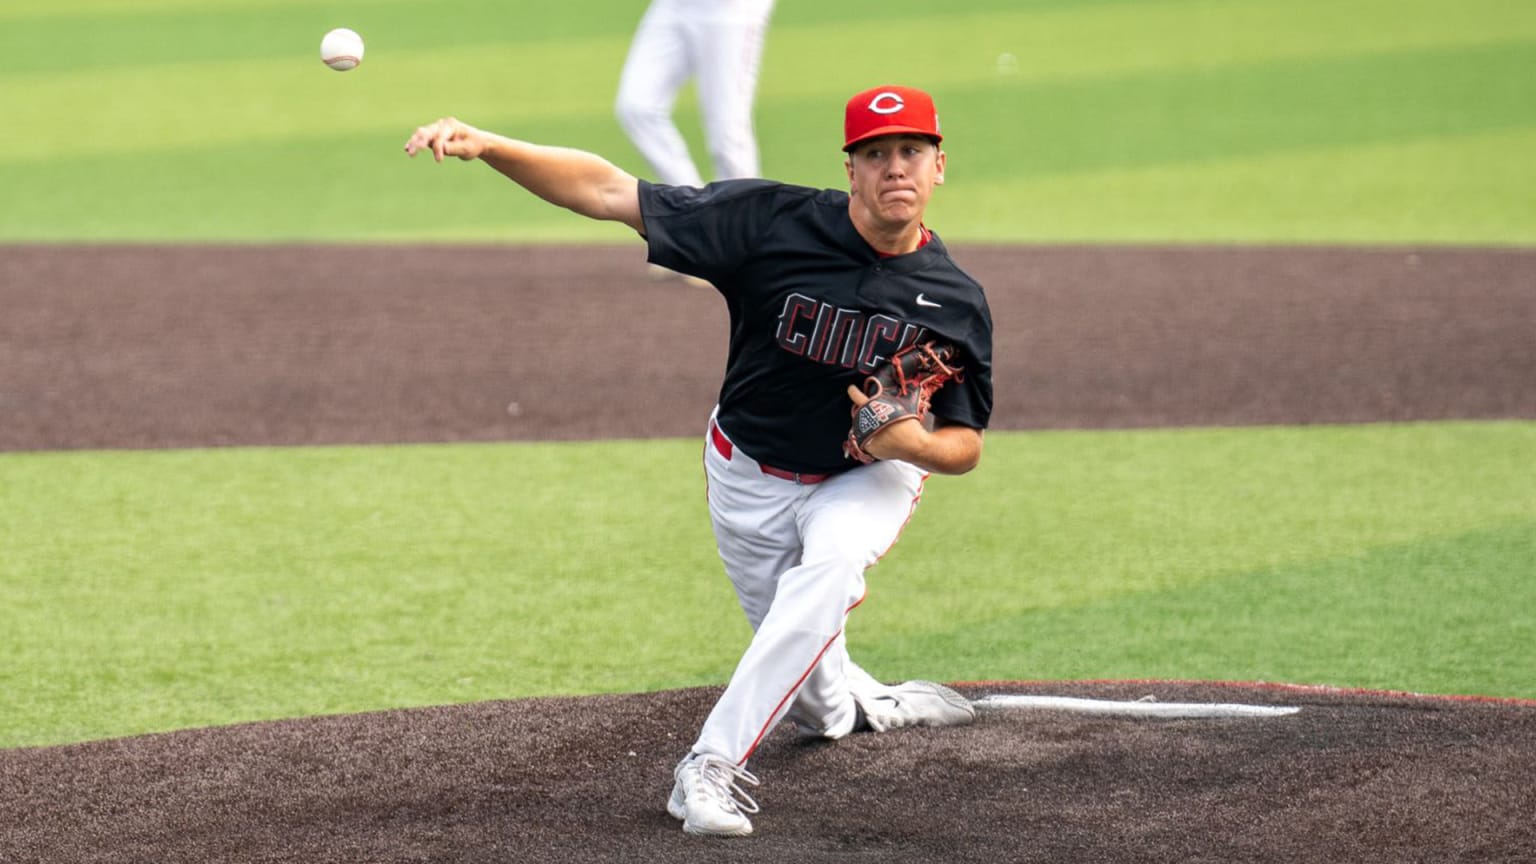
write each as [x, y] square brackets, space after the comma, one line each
[869, 286]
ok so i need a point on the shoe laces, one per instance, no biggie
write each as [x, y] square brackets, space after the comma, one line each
[722, 781]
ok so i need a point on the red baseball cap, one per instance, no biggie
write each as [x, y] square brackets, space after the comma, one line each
[889, 110]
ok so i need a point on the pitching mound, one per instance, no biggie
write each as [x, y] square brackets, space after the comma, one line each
[1356, 777]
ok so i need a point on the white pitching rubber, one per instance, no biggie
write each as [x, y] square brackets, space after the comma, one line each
[1140, 708]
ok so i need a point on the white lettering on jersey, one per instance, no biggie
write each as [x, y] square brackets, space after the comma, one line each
[826, 334]
[837, 334]
[796, 307]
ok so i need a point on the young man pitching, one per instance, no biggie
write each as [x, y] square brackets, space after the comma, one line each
[824, 287]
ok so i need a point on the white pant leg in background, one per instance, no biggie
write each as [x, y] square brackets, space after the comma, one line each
[796, 555]
[728, 56]
[660, 61]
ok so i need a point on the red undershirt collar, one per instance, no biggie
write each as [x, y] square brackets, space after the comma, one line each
[926, 236]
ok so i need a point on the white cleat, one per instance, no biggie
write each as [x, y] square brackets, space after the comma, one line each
[916, 703]
[707, 796]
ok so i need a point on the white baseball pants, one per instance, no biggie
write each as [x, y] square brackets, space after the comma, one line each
[719, 46]
[796, 554]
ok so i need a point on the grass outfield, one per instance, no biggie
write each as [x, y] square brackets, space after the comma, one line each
[166, 589]
[1317, 121]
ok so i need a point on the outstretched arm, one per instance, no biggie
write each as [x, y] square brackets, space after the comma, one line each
[574, 179]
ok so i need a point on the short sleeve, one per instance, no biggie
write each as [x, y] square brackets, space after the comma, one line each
[705, 232]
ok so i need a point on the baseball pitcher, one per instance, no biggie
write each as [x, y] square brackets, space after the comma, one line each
[860, 360]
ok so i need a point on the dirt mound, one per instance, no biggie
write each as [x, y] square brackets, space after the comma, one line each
[1358, 777]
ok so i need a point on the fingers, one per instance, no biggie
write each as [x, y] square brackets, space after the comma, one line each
[858, 396]
[424, 137]
[446, 137]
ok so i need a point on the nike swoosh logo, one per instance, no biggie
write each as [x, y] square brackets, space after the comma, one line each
[924, 301]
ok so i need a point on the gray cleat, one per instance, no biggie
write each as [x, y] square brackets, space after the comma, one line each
[916, 703]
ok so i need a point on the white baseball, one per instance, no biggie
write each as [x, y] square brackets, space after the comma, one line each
[341, 49]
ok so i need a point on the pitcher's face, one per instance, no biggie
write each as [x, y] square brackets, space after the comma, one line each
[892, 177]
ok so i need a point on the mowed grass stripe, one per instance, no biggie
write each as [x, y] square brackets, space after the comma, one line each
[1089, 42]
[359, 187]
[210, 36]
[247, 584]
[1214, 502]
[175, 109]
[1471, 189]
[74, 10]
[1160, 158]
[1256, 109]
[1263, 106]
[1449, 610]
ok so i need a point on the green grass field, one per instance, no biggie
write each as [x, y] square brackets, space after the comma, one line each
[160, 590]
[1320, 121]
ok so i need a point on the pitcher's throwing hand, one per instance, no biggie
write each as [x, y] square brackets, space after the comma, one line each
[447, 137]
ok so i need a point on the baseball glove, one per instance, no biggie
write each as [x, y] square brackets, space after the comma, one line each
[899, 390]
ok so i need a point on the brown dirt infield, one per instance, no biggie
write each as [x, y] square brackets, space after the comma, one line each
[175, 347]
[207, 346]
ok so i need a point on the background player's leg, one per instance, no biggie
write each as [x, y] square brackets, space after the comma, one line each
[729, 61]
[658, 64]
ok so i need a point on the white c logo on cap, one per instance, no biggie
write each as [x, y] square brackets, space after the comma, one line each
[887, 103]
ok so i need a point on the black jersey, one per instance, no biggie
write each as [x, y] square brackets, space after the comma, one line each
[814, 308]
